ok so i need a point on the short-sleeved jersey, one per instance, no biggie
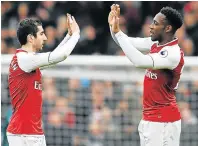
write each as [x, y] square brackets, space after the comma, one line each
[159, 101]
[26, 99]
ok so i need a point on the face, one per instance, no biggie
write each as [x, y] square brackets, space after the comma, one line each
[39, 41]
[157, 28]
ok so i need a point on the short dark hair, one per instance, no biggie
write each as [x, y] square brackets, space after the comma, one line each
[27, 26]
[173, 17]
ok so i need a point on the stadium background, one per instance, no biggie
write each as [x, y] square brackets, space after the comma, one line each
[79, 111]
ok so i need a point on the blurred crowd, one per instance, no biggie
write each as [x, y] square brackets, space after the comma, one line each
[92, 18]
[82, 112]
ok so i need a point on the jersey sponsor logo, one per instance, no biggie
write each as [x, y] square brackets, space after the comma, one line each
[37, 85]
[151, 75]
[163, 53]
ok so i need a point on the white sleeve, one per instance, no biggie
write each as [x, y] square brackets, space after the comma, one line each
[142, 44]
[135, 56]
[31, 61]
[64, 40]
[167, 58]
[154, 61]
[63, 51]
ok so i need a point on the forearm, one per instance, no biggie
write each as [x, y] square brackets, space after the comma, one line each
[141, 44]
[64, 50]
[135, 56]
[66, 38]
[31, 61]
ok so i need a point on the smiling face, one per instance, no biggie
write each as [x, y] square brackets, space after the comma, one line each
[40, 39]
[158, 27]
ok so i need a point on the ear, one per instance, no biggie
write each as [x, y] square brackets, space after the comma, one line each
[30, 38]
[168, 28]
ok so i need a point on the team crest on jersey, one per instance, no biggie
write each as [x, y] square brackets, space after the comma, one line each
[163, 53]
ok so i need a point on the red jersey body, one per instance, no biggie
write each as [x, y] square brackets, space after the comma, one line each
[159, 101]
[26, 99]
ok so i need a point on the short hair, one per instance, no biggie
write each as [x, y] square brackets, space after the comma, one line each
[27, 26]
[173, 17]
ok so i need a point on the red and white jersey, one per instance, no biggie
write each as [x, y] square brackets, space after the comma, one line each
[26, 98]
[159, 101]
[164, 65]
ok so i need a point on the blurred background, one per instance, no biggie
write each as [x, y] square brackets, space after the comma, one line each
[98, 111]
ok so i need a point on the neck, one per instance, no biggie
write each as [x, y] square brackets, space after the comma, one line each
[166, 40]
[28, 47]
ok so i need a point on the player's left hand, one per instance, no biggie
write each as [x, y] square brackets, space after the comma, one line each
[68, 24]
[72, 25]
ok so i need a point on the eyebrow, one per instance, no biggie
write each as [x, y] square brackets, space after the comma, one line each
[42, 31]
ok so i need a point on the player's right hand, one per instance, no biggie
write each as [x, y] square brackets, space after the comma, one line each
[72, 25]
[115, 11]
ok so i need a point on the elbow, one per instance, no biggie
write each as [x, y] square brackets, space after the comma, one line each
[57, 59]
[139, 64]
[62, 58]
[135, 62]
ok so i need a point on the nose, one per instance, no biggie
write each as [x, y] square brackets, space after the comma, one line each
[151, 26]
[45, 38]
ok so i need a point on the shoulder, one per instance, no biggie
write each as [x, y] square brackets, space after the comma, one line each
[172, 52]
[24, 60]
[24, 54]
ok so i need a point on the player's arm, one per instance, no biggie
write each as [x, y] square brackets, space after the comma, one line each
[142, 44]
[31, 61]
[167, 58]
[62, 42]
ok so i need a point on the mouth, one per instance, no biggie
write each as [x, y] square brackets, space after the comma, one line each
[151, 33]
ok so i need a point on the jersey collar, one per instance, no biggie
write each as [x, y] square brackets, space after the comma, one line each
[171, 43]
[20, 50]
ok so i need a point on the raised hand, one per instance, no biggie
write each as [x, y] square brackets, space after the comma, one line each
[115, 11]
[72, 25]
[115, 24]
[68, 24]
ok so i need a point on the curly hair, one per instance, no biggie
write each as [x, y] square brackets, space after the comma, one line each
[27, 26]
[173, 17]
